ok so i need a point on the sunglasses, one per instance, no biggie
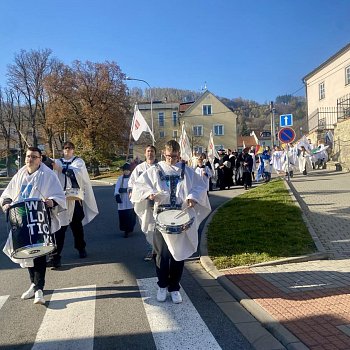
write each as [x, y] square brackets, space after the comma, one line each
[32, 157]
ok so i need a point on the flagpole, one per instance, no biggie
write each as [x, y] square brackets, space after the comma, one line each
[129, 143]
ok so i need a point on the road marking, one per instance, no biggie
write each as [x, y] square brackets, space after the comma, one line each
[3, 299]
[174, 325]
[69, 320]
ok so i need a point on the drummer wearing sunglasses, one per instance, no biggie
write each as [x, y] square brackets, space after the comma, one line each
[175, 188]
[34, 180]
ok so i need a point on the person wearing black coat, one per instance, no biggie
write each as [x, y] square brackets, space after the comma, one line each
[247, 168]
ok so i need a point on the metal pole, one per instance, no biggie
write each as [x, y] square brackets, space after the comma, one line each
[151, 98]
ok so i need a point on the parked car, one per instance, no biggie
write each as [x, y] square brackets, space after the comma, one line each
[3, 172]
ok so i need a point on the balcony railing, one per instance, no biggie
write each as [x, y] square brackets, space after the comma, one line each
[323, 118]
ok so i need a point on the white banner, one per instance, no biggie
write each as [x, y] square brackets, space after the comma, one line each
[212, 152]
[139, 125]
[185, 146]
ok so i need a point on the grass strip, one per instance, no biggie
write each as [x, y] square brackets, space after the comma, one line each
[263, 224]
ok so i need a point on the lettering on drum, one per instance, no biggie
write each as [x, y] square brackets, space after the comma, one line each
[37, 221]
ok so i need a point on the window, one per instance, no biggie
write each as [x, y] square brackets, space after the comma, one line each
[321, 91]
[218, 130]
[347, 75]
[175, 135]
[207, 110]
[198, 149]
[161, 118]
[161, 134]
[175, 119]
[198, 130]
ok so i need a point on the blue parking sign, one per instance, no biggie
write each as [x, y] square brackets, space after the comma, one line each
[286, 120]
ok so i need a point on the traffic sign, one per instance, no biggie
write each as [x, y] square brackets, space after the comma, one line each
[286, 120]
[286, 135]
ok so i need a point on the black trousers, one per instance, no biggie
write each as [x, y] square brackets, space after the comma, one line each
[247, 179]
[77, 230]
[37, 273]
[127, 220]
[169, 271]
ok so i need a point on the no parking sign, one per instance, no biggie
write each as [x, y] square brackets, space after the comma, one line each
[286, 135]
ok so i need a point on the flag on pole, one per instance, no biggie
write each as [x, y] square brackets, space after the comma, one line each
[139, 125]
[258, 149]
[212, 152]
[185, 146]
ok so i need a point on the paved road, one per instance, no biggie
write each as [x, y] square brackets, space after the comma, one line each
[107, 301]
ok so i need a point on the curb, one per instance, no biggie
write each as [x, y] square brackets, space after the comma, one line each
[281, 333]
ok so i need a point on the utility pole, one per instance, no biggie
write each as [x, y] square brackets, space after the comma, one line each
[273, 130]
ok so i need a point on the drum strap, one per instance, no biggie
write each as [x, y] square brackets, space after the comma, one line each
[172, 181]
[70, 174]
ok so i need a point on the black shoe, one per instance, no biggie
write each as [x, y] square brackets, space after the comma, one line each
[82, 254]
[54, 261]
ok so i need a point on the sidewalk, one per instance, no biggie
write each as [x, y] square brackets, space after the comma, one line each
[305, 305]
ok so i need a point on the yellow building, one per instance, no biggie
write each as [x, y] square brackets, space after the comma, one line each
[328, 92]
[201, 117]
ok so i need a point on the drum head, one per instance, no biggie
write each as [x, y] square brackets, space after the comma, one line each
[168, 217]
[33, 251]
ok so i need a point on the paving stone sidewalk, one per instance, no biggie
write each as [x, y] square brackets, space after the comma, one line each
[311, 299]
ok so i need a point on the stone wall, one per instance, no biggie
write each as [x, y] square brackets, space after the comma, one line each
[341, 149]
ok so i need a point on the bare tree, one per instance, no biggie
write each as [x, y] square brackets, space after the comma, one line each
[26, 76]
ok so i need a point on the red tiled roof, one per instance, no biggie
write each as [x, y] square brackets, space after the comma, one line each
[248, 141]
[185, 106]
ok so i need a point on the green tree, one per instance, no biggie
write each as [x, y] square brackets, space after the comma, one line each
[89, 103]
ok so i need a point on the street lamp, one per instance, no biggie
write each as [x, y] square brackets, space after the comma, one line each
[150, 95]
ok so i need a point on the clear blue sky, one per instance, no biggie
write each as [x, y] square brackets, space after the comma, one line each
[256, 49]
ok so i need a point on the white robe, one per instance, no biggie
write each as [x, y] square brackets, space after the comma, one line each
[183, 245]
[89, 202]
[147, 227]
[43, 184]
[205, 174]
[277, 161]
[124, 183]
[304, 160]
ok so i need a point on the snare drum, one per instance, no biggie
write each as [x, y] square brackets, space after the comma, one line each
[30, 228]
[168, 222]
[75, 194]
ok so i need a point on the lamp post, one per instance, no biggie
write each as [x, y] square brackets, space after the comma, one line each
[150, 95]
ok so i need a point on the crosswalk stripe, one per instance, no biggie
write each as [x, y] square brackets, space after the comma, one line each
[69, 320]
[174, 326]
[3, 299]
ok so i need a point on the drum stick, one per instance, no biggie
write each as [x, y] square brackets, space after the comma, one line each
[181, 213]
[36, 187]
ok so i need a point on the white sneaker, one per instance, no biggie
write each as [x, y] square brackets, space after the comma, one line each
[39, 297]
[29, 293]
[176, 297]
[161, 294]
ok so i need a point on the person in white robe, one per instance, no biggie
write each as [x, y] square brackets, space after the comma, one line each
[122, 190]
[150, 160]
[34, 180]
[277, 160]
[81, 204]
[304, 160]
[172, 185]
[203, 171]
[290, 159]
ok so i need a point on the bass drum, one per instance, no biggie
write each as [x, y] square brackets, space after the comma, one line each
[30, 229]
